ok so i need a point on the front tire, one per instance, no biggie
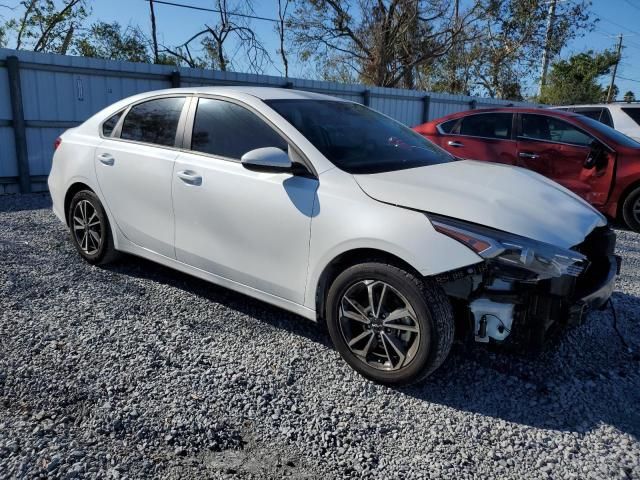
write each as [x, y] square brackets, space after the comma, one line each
[90, 229]
[389, 325]
[631, 210]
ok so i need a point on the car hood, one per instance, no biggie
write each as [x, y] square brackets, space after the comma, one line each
[503, 197]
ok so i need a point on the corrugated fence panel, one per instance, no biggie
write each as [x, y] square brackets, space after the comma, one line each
[57, 88]
[8, 163]
[5, 104]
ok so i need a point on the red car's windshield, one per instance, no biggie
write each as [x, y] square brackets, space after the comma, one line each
[357, 139]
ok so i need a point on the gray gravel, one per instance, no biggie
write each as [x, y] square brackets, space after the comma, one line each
[137, 371]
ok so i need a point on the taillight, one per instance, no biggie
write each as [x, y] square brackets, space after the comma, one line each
[57, 143]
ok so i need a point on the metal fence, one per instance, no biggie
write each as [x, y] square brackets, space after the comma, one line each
[41, 95]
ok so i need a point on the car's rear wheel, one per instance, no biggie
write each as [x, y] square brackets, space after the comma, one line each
[90, 230]
[631, 210]
[390, 325]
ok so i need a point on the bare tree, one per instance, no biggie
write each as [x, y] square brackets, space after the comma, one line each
[384, 41]
[231, 26]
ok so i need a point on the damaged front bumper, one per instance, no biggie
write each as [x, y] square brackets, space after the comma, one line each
[495, 306]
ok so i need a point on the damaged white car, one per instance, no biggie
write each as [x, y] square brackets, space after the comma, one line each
[335, 212]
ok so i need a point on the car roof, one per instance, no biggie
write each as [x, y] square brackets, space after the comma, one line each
[602, 105]
[263, 93]
[545, 111]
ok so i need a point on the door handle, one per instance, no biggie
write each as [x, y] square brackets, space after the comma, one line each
[528, 155]
[190, 177]
[453, 143]
[106, 159]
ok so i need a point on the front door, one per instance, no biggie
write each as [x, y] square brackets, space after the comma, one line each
[560, 151]
[247, 226]
[134, 168]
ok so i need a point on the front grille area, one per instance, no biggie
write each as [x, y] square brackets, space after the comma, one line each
[597, 247]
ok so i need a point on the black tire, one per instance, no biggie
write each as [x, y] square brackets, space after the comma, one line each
[433, 316]
[631, 210]
[103, 251]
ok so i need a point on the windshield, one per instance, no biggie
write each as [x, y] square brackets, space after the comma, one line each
[611, 133]
[357, 139]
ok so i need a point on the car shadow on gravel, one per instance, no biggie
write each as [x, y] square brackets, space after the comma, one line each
[583, 379]
[148, 270]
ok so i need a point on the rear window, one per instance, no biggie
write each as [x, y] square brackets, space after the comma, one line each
[110, 124]
[634, 113]
[487, 125]
[155, 121]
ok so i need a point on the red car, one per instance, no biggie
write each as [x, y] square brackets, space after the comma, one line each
[593, 160]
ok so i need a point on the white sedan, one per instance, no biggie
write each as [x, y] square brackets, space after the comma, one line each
[338, 213]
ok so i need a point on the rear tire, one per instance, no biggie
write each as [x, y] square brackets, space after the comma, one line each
[90, 229]
[390, 325]
[631, 210]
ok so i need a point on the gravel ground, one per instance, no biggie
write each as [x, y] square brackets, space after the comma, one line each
[137, 371]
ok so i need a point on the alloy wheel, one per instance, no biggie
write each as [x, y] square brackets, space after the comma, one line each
[636, 210]
[379, 325]
[87, 227]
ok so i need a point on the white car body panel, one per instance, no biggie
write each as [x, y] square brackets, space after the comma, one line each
[499, 196]
[271, 235]
[250, 227]
[137, 189]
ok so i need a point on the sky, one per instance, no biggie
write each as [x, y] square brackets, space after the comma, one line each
[175, 25]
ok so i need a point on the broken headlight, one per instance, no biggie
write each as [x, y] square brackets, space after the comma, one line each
[520, 255]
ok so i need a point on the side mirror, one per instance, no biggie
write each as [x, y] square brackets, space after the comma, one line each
[597, 156]
[267, 159]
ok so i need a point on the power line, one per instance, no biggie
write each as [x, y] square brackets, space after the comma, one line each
[619, 25]
[214, 10]
[628, 79]
[629, 2]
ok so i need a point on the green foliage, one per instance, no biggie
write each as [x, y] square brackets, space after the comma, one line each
[575, 80]
[629, 97]
[110, 41]
[45, 25]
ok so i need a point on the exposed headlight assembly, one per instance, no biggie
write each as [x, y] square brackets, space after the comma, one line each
[513, 252]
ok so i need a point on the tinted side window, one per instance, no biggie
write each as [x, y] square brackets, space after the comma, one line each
[541, 127]
[155, 121]
[110, 124]
[447, 127]
[634, 113]
[594, 113]
[229, 130]
[487, 125]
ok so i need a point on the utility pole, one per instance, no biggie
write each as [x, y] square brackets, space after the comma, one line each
[615, 68]
[154, 35]
[551, 17]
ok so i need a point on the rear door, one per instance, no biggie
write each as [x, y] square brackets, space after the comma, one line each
[558, 150]
[134, 167]
[482, 136]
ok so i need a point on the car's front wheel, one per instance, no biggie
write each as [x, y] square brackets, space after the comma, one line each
[631, 210]
[390, 325]
[90, 230]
